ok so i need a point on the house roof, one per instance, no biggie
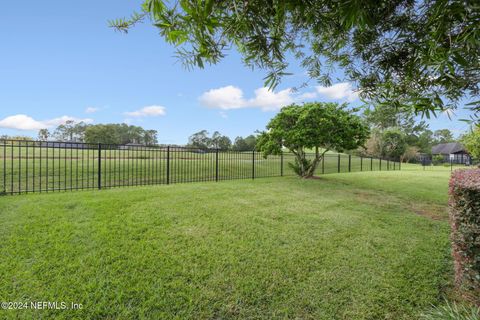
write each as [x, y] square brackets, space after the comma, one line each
[448, 148]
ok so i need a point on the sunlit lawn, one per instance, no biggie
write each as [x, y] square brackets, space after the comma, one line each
[345, 246]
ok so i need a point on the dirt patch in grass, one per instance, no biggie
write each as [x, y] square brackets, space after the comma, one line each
[432, 211]
[429, 210]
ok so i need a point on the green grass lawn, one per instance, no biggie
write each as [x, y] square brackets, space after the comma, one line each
[344, 246]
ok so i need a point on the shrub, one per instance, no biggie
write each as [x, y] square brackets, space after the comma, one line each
[438, 159]
[465, 224]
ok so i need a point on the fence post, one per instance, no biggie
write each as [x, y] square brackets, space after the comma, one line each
[388, 165]
[400, 165]
[451, 165]
[281, 164]
[371, 163]
[380, 166]
[349, 163]
[168, 164]
[338, 163]
[361, 163]
[216, 164]
[99, 171]
[253, 164]
[4, 166]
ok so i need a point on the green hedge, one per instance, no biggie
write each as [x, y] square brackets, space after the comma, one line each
[465, 222]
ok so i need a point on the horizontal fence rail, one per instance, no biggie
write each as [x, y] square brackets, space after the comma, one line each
[40, 166]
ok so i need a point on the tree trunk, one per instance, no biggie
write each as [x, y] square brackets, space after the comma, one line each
[313, 166]
[300, 159]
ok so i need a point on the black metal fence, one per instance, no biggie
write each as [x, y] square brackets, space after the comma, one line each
[452, 163]
[36, 166]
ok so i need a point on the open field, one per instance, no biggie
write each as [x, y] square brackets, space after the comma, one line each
[344, 246]
[28, 167]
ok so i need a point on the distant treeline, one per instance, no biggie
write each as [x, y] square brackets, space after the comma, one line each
[122, 134]
[202, 140]
[399, 134]
[112, 133]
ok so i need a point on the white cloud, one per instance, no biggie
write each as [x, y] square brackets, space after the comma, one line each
[338, 91]
[307, 96]
[21, 122]
[269, 100]
[91, 110]
[231, 97]
[225, 98]
[24, 122]
[63, 119]
[150, 111]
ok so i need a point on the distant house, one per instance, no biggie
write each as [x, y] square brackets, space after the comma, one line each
[452, 151]
[131, 145]
[64, 145]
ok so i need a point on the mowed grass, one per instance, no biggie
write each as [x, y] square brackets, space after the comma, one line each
[345, 246]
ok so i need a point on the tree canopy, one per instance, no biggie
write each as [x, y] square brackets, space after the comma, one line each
[318, 126]
[443, 136]
[393, 143]
[471, 142]
[43, 134]
[398, 133]
[420, 54]
[115, 133]
[112, 133]
[69, 131]
[202, 141]
[245, 144]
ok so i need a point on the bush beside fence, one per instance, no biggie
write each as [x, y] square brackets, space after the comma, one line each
[464, 206]
[34, 166]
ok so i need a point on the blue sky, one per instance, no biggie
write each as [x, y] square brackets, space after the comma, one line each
[59, 60]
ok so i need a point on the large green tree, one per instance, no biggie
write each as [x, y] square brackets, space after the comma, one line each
[115, 133]
[200, 140]
[424, 54]
[392, 143]
[443, 136]
[150, 137]
[70, 131]
[388, 116]
[471, 142]
[318, 126]
[245, 144]
[43, 134]
[103, 133]
[380, 118]
[425, 141]
[220, 141]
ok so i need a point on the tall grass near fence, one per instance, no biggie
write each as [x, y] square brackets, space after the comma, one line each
[34, 166]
